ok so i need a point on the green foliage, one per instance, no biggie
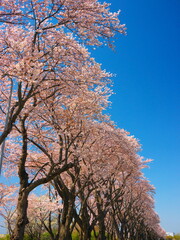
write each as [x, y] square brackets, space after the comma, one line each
[75, 235]
[44, 236]
[177, 236]
[5, 237]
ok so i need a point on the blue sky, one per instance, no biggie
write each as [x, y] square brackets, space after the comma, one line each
[147, 98]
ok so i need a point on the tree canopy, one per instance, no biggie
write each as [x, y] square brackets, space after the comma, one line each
[53, 97]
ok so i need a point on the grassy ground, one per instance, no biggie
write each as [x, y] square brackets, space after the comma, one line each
[45, 237]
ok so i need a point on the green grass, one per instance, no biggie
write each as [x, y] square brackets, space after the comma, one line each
[6, 237]
[45, 236]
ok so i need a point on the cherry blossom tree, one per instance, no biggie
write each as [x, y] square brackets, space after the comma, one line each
[8, 203]
[53, 94]
[41, 60]
[44, 213]
[32, 30]
[117, 194]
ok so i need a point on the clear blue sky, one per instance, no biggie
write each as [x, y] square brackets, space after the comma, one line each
[147, 100]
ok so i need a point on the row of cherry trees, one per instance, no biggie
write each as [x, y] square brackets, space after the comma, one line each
[53, 94]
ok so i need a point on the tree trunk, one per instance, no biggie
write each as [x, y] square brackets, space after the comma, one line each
[86, 233]
[22, 205]
[67, 216]
[22, 219]
[85, 224]
[101, 235]
[65, 233]
[101, 216]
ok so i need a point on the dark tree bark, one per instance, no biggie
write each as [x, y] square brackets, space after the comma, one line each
[26, 187]
[68, 197]
[22, 205]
